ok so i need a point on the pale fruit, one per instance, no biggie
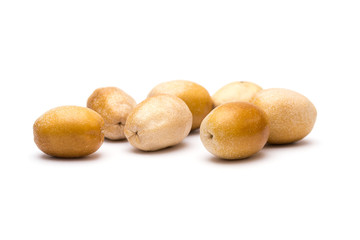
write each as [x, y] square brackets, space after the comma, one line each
[158, 122]
[194, 95]
[235, 92]
[235, 130]
[114, 105]
[69, 132]
[291, 115]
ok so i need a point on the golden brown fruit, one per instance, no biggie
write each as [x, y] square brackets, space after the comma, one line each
[235, 130]
[194, 95]
[69, 132]
[158, 122]
[291, 115]
[235, 92]
[114, 105]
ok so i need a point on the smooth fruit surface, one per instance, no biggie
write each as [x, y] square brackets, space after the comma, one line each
[291, 115]
[69, 132]
[158, 122]
[235, 92]
[194, 95]
[235, 130]
[114, 105]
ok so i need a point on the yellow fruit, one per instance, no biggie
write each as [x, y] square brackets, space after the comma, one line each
[114, 105]
[69, 132]
[291, 115]
[158, 122]
[235, 130]
[235, 92]
[194, 95]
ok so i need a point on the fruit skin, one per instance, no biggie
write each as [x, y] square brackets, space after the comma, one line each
[158, 122]
[196, 97]
[114, 105]
[291, 115]
[235, 92]
[69, 132]
[235, 130]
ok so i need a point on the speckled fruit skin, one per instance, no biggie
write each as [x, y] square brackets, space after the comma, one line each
[235, 130]
[69, 132]
[196, 97]
[158, 122]
[235, 92]
[291, 115]
[114, 105]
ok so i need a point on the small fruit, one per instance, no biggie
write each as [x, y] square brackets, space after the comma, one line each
[235, 92]
[194, 95]
[291, 115]
[69, 132]
[158, 122]
[235, 130]
[114, 105]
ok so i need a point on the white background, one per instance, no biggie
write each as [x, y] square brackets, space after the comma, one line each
[55, 53]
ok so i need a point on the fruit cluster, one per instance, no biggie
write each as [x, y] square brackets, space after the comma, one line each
[244, 119]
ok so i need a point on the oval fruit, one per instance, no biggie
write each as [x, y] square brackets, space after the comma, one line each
[194, 95]
[114, 105]
[69, 132]
[291, 115]
[235, 130]
[158, 122]
[235, 92]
